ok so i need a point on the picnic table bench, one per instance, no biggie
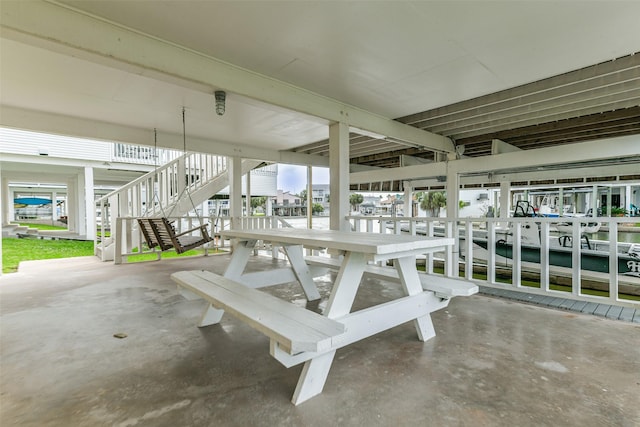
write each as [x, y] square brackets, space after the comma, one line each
[298, 335]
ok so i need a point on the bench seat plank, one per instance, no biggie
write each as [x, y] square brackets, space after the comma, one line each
[295, 328]
[444, 287]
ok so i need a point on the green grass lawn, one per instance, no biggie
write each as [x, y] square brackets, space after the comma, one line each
[42, 226]
[16, 250]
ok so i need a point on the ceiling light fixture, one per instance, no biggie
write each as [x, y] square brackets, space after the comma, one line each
[220, 101]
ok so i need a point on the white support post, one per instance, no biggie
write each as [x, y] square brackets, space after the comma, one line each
[609, 201]
[54, 207]
[516, 258]
[309, 200]
[453, 199]
[505, 199]
[575, 259]
[8, 214]
[544, 256]
[560, 201]
[247, 201]
[613, 261]
[594, 201]
[89, 204]
[491, 249]
[72, 202]
[339, 172]
[468, 239]
[627, 199]
[408, 202]
[235, 190]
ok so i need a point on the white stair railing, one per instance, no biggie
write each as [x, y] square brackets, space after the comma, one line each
[158, 192]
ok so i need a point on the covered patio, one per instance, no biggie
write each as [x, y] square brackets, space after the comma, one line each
[493, 362]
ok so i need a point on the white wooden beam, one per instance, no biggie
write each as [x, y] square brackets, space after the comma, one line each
[19, 118]
[73, 32]
[603, 149]
[498, 147]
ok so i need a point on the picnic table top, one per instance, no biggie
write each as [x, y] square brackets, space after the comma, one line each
[368, 243]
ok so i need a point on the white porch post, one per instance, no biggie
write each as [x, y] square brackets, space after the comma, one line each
[594, 201]
[235, 191]
[72, 203]
[247, 201]
[453, 197]
[86, 205]
[339, 172]
[408, 205]
[627, 199]
[54, 207]
[309, 200]
[505, 199]
[269, 211]
[8, 214]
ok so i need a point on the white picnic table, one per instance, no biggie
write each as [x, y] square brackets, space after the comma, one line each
[302, 336]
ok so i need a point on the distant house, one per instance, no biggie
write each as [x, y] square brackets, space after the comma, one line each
[287, 204]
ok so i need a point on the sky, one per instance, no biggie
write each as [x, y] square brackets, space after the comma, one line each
[293, 178]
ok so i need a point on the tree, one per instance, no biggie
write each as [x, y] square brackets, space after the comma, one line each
[355, 199]
[303, 195]
[258, 202]
[316, 208]
[432, 201]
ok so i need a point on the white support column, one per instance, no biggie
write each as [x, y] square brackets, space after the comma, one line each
[453, 198]
[309, 200]
[247, 201]
[72, 203]
[8, 214]
[408, 202]
[627, 199]
[339, 172]
[594, 201]
[505, 199]
[89, 206]
[609, 202]
[235, 191]
[560, 201]
[269, 211]
[54, 207]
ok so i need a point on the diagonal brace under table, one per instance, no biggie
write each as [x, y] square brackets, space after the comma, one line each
[363, 323]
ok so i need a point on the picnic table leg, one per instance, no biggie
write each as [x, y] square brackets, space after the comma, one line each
[315, 371]
[301, 270]
[313, 376]
[210, 316]
[410, 280]
[239, 258]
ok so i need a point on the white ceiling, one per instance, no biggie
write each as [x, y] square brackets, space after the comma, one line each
[390, 58]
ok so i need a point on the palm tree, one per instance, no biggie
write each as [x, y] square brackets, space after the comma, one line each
[432, 201]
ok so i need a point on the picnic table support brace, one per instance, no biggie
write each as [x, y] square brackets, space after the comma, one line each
[411, 284]
[315, 371]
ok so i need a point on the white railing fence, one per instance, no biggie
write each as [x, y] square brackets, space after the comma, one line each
[493, 252]
[156, 193]
[550, 265]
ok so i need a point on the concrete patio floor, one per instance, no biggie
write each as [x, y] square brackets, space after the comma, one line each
[493, 362]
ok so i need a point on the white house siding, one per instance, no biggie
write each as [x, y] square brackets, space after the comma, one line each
[264, 182]
[37, 144]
